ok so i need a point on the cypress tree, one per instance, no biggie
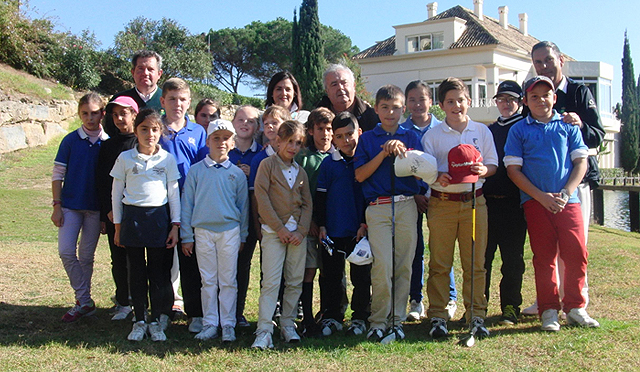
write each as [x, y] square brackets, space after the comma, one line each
[629, 113]
[308, 53]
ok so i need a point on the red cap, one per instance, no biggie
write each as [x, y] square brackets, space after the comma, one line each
[461, 158]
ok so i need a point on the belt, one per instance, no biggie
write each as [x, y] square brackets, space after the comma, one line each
[463, 196]
[387, 199]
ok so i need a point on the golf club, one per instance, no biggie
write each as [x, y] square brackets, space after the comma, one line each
[392, 336]
[470, 340]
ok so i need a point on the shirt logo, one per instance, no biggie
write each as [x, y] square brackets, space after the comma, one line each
[232, 177]
[192, 141]
[158, 171]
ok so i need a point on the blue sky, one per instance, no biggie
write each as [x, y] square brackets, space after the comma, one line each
[587, 30]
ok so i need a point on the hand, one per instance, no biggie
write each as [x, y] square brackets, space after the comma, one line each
[103, 227]
[394, 147]
[551, 202]
[246, 168]
[322, 233]
[296, 238]
[116, 236]
[422, 202]
[187, 249]
[110, 216]
[572, 118]
[172, 239]
[444, 179]
[57, 216]
[362, 232]
[479, 169]
[284, 235]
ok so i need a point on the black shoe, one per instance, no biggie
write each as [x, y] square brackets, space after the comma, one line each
[311, 330]
[477, 327]
[300, 314]
[509, 316]
[375, 334]
[438, 328]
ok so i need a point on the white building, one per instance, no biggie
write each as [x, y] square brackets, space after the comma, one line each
[480, 50]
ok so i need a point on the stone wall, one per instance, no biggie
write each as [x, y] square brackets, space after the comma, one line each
[24, 123]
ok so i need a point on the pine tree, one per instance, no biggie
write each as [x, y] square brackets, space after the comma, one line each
[629, 113]
[308, 52]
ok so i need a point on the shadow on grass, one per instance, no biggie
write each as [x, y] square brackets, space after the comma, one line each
[36, 326]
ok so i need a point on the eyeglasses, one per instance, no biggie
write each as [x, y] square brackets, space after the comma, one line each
[508, 100]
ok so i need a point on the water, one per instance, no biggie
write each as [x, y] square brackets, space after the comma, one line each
[616, 209]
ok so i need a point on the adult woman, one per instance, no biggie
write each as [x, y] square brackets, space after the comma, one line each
[284, 91]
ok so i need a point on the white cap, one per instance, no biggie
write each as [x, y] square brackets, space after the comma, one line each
[419, 164]
[361, 254]
[220, 124]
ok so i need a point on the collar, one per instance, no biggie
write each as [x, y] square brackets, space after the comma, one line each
[254, 146]
[269, 150]
[378, 131]
[283, 166]
[147, 97]
[188, 125]
[83, 135]
[445, 126]
[336, 156]
[210, 162]
[137, 155]
[564, 83]
[510, 120]
[312, 148]
[531, 120]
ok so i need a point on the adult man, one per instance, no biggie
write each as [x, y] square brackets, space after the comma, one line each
[340, 88]
[146, 70]
[577, 106]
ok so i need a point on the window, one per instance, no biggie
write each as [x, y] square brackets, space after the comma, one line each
[425, 42]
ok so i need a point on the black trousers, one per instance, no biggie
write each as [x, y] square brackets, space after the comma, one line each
[244, 268]
[190, 282]
[507, 230]
[119, 267]
[152, 276]
[333, 273]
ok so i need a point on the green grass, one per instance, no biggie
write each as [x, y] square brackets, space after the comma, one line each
[34, 294]
[29, 86]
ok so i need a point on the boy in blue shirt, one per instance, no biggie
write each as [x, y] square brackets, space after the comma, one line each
[547, 158]
[381, 188]
[339, 213]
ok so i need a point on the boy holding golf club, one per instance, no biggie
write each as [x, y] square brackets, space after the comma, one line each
[547, 158]
[466, 154]
[391, 214]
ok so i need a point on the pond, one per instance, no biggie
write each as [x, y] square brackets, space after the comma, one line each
[616, 209]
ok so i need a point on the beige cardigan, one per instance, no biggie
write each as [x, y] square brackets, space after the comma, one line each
[277, 201]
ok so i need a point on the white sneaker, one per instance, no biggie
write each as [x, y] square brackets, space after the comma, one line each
[451, 309]
[228, 334]
[208, 332]
[395, 333]
[416, 311]
[358, 327]
[164, 321]
[138, 331]
[196, 324]
[330, 326]
[121, 312]
[289, 334]
[263, 341]
[579, 316]
[550, 320]
[531, 310]
[156, 332]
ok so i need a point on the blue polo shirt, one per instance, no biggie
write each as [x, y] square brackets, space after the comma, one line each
[238, 157]
[80, 157]
[379, 183]
[345, 201]
[408, 124]
[188, 146]
[545, 152]
[255, 163]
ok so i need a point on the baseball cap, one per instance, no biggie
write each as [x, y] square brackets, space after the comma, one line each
[509, 87]
[461, 158]
[529, 84]
[419, 164]
[124, 101]
[220, 124]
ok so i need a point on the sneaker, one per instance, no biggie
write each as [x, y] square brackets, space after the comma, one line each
[289, 334]
[531, 310]
[509, 316]
[77, 312]
[177, 309]
[330, 326]
[228, 334]
[395, 333]
[208, 332]
[263, 341]
[241, 321]
[579, 316]
[357, 328]
[121, 312]
[138, 331]
[277, 313]
[156, 332]
[550, 320]
[416, 311]
[375, 334]
[451, 309]
[438, 328]
[196, 324]
[300, 314]
[164, 321]
[477, 327]
[311, 330]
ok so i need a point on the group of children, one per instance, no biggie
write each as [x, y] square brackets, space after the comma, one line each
[309, 195]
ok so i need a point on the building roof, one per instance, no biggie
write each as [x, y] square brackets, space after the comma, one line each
[478, 32]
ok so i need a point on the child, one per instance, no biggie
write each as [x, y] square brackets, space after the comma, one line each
[246, 122]
[339, 210]
[146, 215]
[186, 141]
[284, 206]
[220, 228]
[318, 147]
[382, 190]
[207, 110]
[75, 202]
[450, 216]
[547, 158]
[507, 226]
[123, 111]
[420, 121]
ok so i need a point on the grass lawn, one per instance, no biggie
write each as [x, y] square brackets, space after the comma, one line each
[35, 293]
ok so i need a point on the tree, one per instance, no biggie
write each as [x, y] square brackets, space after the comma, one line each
[629, 113]
[309, 52]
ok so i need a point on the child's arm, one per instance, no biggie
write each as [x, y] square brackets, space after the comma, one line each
[482, 170]
[186, 212]
[390, 147]
[254, 215]
[305, 217]
[550, 201]
[117, 192]
[242, 203]
[173, 194]
[580, 166]
[263, 202]
[56, 217]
